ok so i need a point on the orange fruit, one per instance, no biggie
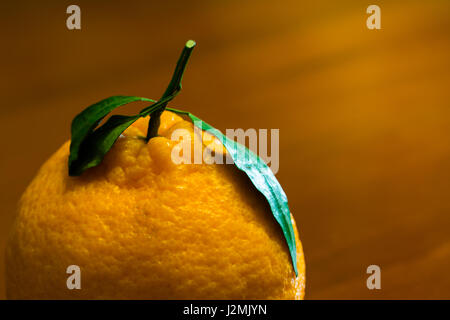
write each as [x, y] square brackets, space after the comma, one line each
[140, 226]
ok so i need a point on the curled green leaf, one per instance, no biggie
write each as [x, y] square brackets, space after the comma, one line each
[84, 123]
[88, 147]
[262, 178]
[97, 144]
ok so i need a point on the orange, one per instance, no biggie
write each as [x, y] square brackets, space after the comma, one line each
[140, 226]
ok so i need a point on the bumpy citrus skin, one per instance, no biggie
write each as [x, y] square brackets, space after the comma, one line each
[141, 227]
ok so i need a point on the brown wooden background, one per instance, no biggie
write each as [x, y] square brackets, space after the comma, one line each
[364, 116]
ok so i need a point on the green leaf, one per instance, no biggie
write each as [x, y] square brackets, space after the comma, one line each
[97, 144]
[88, 147]
[85, 122]
[262, 178]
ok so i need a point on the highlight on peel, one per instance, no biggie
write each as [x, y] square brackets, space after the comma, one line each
[142, 227]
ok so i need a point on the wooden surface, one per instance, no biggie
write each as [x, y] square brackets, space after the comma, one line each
[364, 116]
